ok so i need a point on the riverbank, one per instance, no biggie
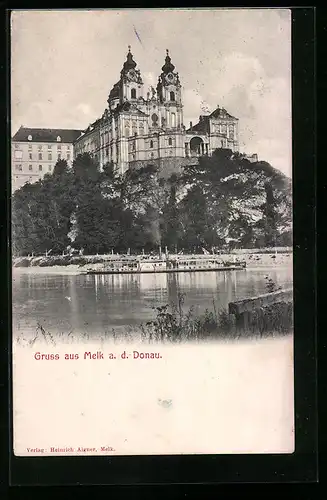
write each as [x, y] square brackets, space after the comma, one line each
[55, 270]
[266, 260]
[75, 264]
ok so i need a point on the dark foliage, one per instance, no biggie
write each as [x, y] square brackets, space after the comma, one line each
[224, 198]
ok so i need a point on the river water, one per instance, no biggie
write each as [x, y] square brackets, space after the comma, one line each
[98, 304]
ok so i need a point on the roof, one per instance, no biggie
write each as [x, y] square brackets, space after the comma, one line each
[46, 135]
[93, 125]
[221, 113]
[129, 108]
[115, 91]
[202, 127]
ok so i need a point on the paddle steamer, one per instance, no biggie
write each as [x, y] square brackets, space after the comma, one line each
[172, 264]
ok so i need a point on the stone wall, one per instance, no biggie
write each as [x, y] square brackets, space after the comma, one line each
[167, 166]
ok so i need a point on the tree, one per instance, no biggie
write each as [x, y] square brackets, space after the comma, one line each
[222, 197]
[170, 224]
[243, 200]
[41, 213]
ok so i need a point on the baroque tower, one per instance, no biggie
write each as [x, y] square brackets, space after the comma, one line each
[170, 95]
[124, 121]
[130, 85]
[137, 129]
[170, 106]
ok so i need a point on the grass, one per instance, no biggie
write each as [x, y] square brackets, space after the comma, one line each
[172, 324]
[43, 335]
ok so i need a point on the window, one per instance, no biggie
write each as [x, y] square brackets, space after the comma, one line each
[68, 156]
[59, 146]
[49, 146]
[58, 138]
[40, 147]
[30, 156]
[173, 120]
[40, 168]
[163, 121]
[30, 146]
[31, 178]
[19, 167]
[16, 146]
[40, 156]
[154, 120]
[133, 94]
[68, 148]
[59, 156]
[49, 168]
[30, 167]
[172, 96]
[18, 154]
[170, 141]
[50, 156]
[151, 144]
[231, 131]
[224, 129]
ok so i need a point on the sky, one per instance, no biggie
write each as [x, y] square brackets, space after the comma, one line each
[64, 63]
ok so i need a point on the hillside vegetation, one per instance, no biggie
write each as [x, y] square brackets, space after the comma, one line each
[221, 201]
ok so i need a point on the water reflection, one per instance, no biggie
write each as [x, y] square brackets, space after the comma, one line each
[100, 303]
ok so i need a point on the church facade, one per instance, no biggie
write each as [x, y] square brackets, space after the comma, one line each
[138, 128]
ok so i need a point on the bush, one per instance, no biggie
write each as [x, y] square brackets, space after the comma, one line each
[172, 324]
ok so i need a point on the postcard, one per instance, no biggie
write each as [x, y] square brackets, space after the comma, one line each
[152, 247]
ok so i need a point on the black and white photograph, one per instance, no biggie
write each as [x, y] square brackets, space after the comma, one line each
[151, 229]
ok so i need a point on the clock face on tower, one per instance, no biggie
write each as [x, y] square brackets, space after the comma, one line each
[170, 78]
[132, 75]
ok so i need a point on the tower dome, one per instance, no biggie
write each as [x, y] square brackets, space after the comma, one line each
[168, 67]
[129, 63]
